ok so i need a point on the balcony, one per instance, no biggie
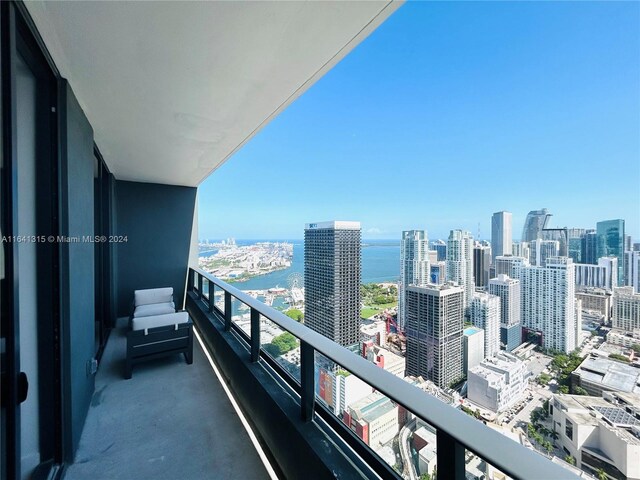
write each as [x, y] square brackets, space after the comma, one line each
[172, 420]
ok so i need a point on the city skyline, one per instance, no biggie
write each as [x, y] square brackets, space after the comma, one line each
[468, 97]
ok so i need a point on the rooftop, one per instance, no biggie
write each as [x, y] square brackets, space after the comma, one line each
[610, 374]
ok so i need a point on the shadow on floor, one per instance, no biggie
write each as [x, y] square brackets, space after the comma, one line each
[170, 421]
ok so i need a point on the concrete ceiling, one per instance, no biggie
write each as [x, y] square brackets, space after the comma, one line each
[173, 89]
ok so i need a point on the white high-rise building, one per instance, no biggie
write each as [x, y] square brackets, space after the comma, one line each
[507, 264]
[548, 302]
[501, 235]
[632, 269]
[520, 249]
[508, 289]
[460, 263]
[414, 266]
[485, 314]
[602, 275]
[540, 250]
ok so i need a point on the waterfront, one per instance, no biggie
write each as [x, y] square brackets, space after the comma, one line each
[380, 263]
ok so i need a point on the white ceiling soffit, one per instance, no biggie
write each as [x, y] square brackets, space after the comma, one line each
[173, 89]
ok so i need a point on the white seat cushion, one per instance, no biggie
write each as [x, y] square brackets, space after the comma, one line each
[142, 323]
[152, 295]
[154, 309]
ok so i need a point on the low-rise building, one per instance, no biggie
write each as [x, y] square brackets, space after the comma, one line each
[597, 299]
[623, 338]
[374, 419]
[385, 359]
[373, 331]
[600, 433]
[338, 388]
[626, 309]
[597, 374]
[498, 382]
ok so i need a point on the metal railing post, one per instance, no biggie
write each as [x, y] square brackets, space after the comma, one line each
[450, 456]
[227, 311]
[200, 281]
[212, 296]
[307, 381]
[255, 335]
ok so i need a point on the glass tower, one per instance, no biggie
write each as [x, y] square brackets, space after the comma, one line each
[610, 243]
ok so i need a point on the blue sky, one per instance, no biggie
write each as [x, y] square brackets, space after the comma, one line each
[445, 114]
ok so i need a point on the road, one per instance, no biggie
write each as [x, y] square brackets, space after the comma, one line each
[405, 451]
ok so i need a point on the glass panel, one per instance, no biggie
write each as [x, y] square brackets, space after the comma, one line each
[241, 315]
[28, 265]
[281, 345]
[404, 441]
[205, 288]
[218, 298]
[196, 280]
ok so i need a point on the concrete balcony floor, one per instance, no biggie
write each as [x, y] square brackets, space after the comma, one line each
[170, 421]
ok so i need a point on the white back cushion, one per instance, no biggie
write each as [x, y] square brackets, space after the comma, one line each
[153, 295]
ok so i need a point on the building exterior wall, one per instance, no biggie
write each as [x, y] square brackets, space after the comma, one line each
[414, 266]
[602, 275]
[610, 243]
[501, 234]
[508, 289]
[626, 309]
[434, 333]
[460, 262]
[485, 313]
[332, 280]
[548, 302]
[498, 382]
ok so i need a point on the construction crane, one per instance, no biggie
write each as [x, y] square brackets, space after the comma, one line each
[391, 321]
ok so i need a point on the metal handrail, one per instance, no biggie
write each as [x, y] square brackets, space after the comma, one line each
[496, 449]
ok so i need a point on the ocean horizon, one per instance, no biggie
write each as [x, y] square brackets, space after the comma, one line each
[380, 263]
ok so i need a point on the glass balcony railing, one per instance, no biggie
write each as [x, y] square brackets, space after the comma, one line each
[397, 429]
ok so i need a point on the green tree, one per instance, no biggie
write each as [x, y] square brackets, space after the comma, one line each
[547, 446]
[636, 347]
[425, 476]
[281, 344]
[601, 474]
[617, 356]
[563, 389]
[544, 378]
[570, 460]
[296, 314]
[580, 391]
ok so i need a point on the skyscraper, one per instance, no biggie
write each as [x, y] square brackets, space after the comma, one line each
[460, 262]
[559, 235]
[610, 243]
[536, 220]
[414, 266]
[501, 235]
[543, 249]
[574, 245]
[440, 246]
[589, 244]
[548, 302]
[481, 262]
[484, 313]
[520, 249]
[332, 280]
[506, 265]
[508, 289]
[434, 333]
